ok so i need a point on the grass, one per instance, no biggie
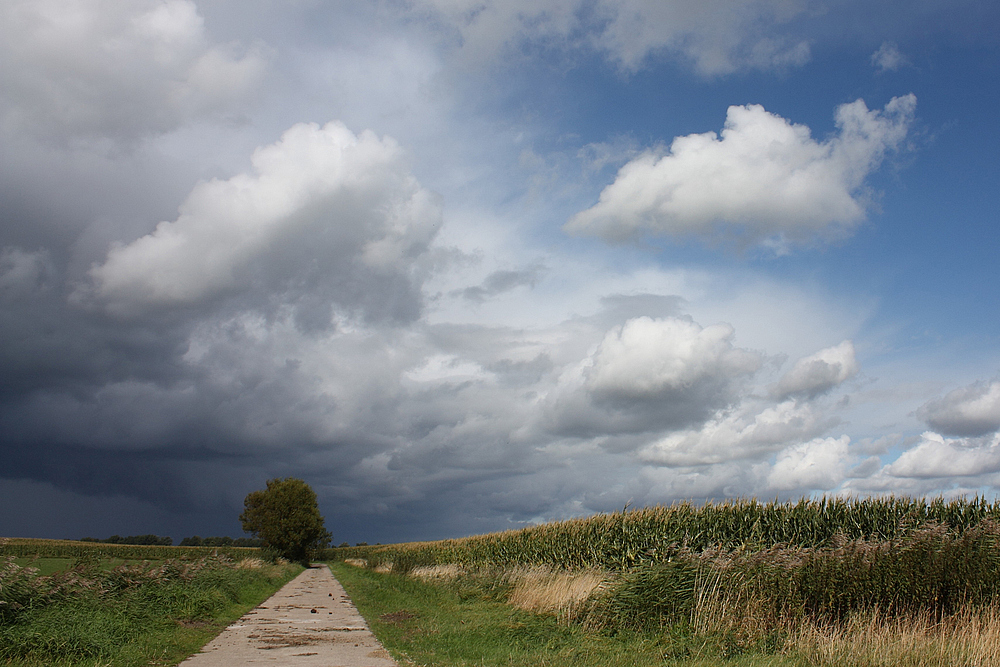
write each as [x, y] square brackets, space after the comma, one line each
[968, 639]
[456, 620]
[456, 625]
[930, 595]
[49, 566]
[98, 613]
[24, 547]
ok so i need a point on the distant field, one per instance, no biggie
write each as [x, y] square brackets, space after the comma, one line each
[47, 566]
[28, 547]
[887, 581]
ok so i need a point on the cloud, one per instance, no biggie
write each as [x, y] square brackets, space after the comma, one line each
[117, 69]
[499, 282]
[820, 372]
[647, 358]
[888, 58]
[23, 274]
[715, 37]
[938, 457]
[326, 216]
[747, 432]
[817, 464]
[763, 181]
[652, 374]
[969, 411]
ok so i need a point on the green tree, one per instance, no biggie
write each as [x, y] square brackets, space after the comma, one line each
[285, 517]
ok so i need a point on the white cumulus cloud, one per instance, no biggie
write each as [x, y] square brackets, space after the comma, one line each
[652, 374]
[763, 181]
[938, 457]
[648, 357]
[736, 434]
[333, 215]
[817, 464]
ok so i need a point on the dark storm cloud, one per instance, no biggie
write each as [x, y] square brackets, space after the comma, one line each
[149, 475]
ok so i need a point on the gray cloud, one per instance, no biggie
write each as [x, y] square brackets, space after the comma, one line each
[968, 411]
[115, 69]
[325, 212]
[499, 282]
[715, 37]
[819, 373]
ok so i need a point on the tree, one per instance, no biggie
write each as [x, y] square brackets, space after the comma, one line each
[285, 517]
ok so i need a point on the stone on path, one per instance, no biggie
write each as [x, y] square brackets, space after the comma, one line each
[310, 622]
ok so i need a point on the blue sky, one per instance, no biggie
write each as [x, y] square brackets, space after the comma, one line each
[464, 266]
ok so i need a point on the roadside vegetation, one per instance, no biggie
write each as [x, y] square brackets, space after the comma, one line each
[892, 581]
[80, 606]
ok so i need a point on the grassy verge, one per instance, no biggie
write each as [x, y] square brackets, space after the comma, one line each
[126, 615]
[461, 618]
[459, 626]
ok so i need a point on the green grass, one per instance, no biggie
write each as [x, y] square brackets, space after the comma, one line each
[23, 547]
[47, 566]
[50, 566]
[428, 624]
[100, 614]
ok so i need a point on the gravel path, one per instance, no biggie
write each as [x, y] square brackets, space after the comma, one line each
[310, 622]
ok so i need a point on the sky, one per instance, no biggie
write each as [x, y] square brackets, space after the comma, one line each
[470, 265]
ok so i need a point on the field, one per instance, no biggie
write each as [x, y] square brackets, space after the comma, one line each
[78, 603]
[32, 548]
[892, 581]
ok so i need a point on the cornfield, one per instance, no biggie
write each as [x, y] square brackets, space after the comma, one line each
[751, 573]
[625, 540]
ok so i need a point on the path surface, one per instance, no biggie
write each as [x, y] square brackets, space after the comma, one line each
[310, 622]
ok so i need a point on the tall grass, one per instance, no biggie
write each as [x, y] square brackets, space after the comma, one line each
[126, 615]
[752, 594]
[743, 577]
[876, 639]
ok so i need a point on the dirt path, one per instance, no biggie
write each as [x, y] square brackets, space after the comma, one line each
[310, 622]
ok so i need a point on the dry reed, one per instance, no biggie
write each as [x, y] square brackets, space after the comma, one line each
[970, 638]
[564, 593]
[437, 573]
